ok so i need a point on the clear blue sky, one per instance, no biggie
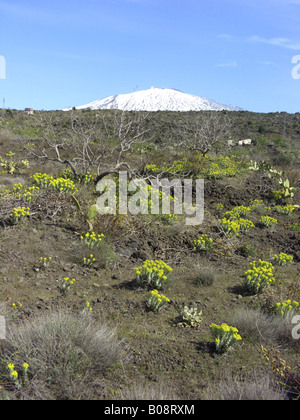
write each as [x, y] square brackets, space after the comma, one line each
[68, 53]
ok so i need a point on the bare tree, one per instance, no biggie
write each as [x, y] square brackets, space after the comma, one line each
[126, 130]
[88, 142]
[204, 130]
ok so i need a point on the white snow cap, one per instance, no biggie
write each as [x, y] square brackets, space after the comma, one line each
[157, 99]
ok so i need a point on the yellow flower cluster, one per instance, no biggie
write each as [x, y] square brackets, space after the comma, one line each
[287, 309]
[92, 240]
[230, 227]
[10, 166]
[19, 214]
[45, 261]
[245, 224]
[88, 262]
[259, 276]
[204, 243]
[224, 336]
[152, 168]
[256, 203]
[16, 190]
[47, 181]
[82, 178]
[220, 168]
[62, 185]
[41, 180]
[237, 212]
[295, 227]
[88, 177]
[169, 218]
[153, 273]
[66, 284]
[235, 216]
[268, 221]
[87, 307]
[157, 301]
[14, 375]
[283, 259]
[29, 194]
[179, 166]
[16, 306]
[287, 210]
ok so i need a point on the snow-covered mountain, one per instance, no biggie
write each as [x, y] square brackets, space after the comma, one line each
[156, 99]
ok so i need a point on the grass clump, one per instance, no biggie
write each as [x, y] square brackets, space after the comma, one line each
[66, 354]
[206, 276]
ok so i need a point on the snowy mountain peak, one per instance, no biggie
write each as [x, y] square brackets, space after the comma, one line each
[157, 99]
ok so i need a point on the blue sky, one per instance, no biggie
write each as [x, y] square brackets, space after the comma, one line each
[67, 53]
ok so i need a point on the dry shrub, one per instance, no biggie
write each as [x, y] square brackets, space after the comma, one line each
[206, 276]
[67, 354]
[254, 387]
[262, 327]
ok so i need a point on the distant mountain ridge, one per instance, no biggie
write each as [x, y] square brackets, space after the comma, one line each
[157, 99]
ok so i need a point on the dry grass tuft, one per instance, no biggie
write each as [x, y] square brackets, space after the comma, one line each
[67, 354]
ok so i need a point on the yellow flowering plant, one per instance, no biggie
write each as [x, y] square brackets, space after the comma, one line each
[203, 243]
[18, 214]
[230, 227]
[30, 194]
[286, 210]
[62, 185]
[157, 301]
[18, 380]
[41, 180]
[246, 225]
[154, 274]
[45, 261]
[237, 212]
[66, 285]
[267, 221]
[92, 240]
[221, 167]
[48, 181]
[16, 310]
[259, 276]
[88, 262]
[283, 259]
[225, 337]
[87, 308]
[287, 309]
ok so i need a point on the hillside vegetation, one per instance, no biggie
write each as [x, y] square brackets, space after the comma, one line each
[144, 306]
